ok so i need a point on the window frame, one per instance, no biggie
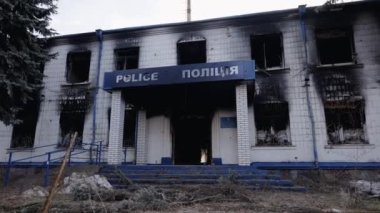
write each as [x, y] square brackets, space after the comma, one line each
[69, 66]
[265, 38]
[29, 114]
[349, 35]
[118, 51]
[278, 115]
[189, 41]
[66, 131]
[357, 109]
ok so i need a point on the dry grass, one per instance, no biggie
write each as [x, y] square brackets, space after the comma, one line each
[327, 191]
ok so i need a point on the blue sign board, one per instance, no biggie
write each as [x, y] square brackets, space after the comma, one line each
[228, 122]
[181, 74]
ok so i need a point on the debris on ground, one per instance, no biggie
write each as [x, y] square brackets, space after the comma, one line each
[37, 191]
[80, 181]
[366, 187]
[332, 210]
[330, 193]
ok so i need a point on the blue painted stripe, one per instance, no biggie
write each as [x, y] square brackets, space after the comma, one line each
[311, 165]
[255, 165]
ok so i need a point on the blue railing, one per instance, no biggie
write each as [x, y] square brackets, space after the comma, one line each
[53, 159]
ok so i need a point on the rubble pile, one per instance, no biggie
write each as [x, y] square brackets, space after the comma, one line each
[80, 181]
[366, 187]
[37, 191]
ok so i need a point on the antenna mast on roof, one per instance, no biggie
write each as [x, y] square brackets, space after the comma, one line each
[188, 10]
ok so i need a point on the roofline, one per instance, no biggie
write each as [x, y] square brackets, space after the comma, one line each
[177, 24]
[205, 21]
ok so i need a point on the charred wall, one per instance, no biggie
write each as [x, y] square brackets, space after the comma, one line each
[271, 110]
[340, 76]
[344, 106]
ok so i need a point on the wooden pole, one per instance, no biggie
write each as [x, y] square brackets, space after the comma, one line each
[54, 187]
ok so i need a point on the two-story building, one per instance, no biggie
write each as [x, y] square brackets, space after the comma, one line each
[291, 88]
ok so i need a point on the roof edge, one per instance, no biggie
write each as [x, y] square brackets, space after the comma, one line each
[205, 21]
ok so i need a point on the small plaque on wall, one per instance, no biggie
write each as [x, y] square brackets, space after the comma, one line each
[228, 122]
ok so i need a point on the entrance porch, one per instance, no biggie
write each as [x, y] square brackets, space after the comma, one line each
[182, 123]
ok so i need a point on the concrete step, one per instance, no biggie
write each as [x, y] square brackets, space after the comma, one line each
[221, 170]
[180, 167]
[171, 175]
[249, 187]
[189, 176]
[278, 188]
[253, 182]
[189, 172]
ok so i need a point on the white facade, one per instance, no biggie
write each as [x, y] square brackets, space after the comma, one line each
[226, 40]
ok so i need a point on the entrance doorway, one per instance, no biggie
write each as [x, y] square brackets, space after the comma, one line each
[192, 139]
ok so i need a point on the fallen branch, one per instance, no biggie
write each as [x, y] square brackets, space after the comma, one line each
[7, 208]
[197, 200]
[245, 198]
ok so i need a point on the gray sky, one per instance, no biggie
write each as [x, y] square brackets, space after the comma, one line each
[77, 16]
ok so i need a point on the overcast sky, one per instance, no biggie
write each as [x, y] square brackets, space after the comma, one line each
[77, 16]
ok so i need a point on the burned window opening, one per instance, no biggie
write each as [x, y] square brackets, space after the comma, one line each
[267, 50]
[272, 123]
[345, 122]
[127, 58]
[336, 86]
[71, 122]
[23, 134]
[339, 87]
[74, 102]
[75, 99]
[78, 66]
[343, 106]
[335, 46]
[191, 52]
[130, 118]
[268, 89]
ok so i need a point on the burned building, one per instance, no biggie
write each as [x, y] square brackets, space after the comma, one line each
[292, 88]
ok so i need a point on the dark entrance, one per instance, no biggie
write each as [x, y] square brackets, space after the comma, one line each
[192, 138]
[190, 108]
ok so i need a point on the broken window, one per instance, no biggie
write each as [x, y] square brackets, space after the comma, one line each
[338, 87]
[23, 133]
[191, 51]
[127, 58]
[75, 99]
[78, 66]
[344, 107]
[335, 46]
[272, 123]
[268, 89]
[71, 122]
[267, 50]
[129, 126]
[74, 103]
[345, 122]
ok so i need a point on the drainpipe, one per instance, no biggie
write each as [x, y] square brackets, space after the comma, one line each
[99, 36]
[302, 14]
